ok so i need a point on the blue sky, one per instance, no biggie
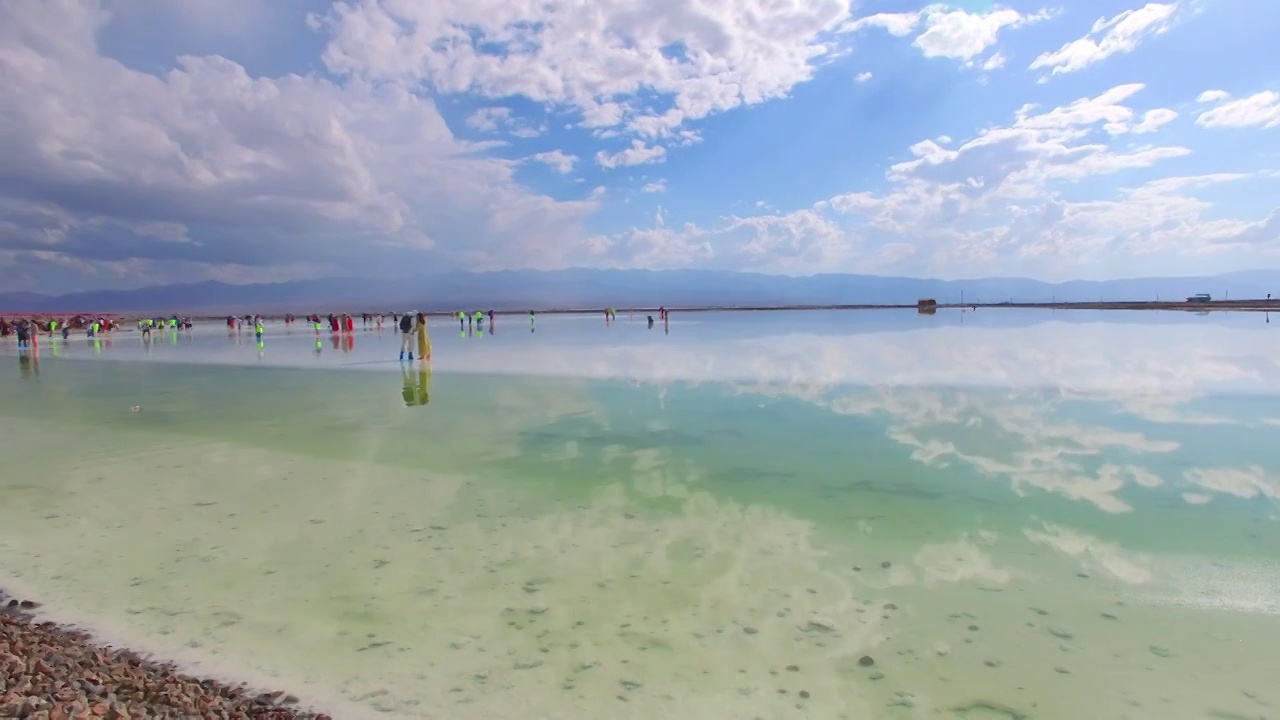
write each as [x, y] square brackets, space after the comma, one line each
[155, 141]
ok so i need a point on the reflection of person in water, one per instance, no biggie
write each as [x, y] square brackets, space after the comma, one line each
[417, 385]
[29, 364]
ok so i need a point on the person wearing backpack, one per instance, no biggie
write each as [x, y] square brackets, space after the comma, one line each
[406, 335]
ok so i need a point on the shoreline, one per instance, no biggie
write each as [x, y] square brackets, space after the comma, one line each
[1245, 305]
[59, 671]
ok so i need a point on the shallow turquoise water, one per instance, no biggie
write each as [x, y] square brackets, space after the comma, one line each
[1016, 514]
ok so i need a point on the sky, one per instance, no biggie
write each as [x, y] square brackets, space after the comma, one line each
[149, 142]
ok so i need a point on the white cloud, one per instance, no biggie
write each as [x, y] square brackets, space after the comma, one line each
[1261, 109]
[993, 62]
[206, 166]
[1154, 120]
[957, 34]
[863, 76]
[899, 24]
[656, 186]
[896, 24]
[995, 203]
[960, 34]
[559, 161]
[707, 58]
[493, 119]
[803, 241]
[1120, 34]
[638, 154]
[488, 119]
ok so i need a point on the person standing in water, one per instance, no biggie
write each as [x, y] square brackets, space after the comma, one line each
[406, 336]
[462, 323]
[424, 339]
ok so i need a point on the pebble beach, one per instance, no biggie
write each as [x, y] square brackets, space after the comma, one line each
[51, 672]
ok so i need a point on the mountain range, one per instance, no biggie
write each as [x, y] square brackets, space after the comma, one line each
[591, 288]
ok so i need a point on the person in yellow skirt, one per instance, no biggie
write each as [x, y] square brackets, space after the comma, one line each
[424, 339]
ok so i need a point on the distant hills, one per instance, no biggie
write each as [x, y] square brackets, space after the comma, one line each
[584, 288]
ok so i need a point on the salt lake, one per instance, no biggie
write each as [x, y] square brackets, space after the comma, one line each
[986, 515]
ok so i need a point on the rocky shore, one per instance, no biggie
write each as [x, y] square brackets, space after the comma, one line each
[49, 672]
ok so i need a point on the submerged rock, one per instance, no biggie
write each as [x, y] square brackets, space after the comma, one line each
[820, 626]
[988, 710]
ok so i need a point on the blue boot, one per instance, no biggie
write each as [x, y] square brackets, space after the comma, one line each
[402, 356]
[410, 357]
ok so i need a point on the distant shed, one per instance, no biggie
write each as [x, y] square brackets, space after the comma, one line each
[927, 306]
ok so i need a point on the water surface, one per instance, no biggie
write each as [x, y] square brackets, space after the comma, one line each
[1014, 514]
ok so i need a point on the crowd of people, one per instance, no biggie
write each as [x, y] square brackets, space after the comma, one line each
[28, 330]
[412, 326]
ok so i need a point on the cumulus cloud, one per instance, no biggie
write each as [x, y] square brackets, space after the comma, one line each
[896, 24]
[947, 33]
[638, 154]
[706, 58]
[206, 166]
[1154, 120]
[495, 119]
[558, 160]
[1258, 110]
[1109, 36]
[995, 200]
[147, 169]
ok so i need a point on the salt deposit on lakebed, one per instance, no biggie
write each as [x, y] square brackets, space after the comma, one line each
[450, 597]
